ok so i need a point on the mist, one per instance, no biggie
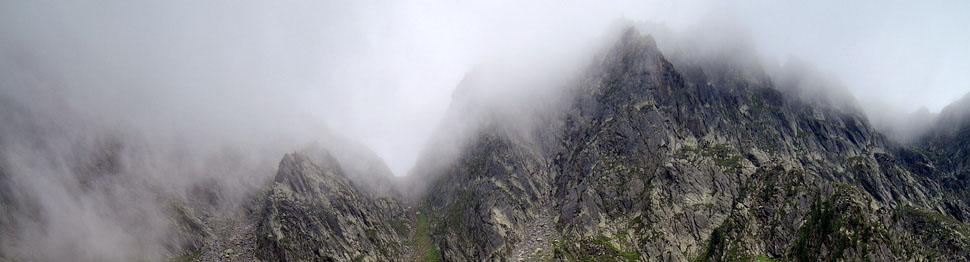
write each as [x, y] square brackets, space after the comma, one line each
[167, 96]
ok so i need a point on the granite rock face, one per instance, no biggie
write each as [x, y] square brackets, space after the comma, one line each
[697, 159]
[945, 150]
[313, 213]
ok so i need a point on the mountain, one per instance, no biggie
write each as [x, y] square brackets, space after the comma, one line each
[313, 213]
[694, 159]
[312, 210]
[643, 156]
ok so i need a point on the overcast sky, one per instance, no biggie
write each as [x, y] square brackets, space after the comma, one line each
[383, 72]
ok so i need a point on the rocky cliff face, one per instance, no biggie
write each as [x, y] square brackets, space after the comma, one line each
[312, 210]
[946, 150]
[693, 160]
[485, 203]
[313, 213]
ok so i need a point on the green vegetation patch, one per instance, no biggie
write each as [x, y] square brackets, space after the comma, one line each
[723, 155]
[592, 249]
[425, 250]
[399, 225]
[721, 247]
[831, 228]
[187, 257]
[935, 221]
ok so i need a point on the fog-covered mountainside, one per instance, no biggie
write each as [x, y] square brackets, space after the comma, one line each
[696, 158]
[642, 156]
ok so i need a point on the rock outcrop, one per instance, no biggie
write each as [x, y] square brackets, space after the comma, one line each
[313, 213]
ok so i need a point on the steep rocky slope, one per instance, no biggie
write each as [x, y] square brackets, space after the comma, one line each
[485, 202]
[313, 213]
[947, 147]
[701, 159]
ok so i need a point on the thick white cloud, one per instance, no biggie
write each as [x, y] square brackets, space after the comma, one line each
[383, 71]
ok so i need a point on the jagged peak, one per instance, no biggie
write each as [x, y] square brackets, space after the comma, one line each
[954, 117]
[632, 35]
[300, 164]
[632, 44]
